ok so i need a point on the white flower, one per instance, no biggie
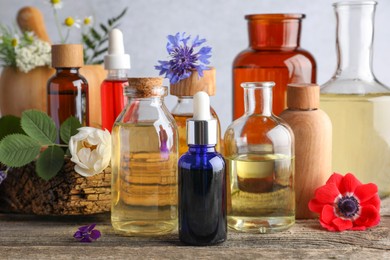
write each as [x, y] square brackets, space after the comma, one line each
[72, 22]
[57, 4]
[91, 150]
[88, 21]
[33, 55]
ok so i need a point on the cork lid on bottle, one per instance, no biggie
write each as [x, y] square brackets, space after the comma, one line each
[303, 96]
[67, 56]
[146, 87]
[194, 83]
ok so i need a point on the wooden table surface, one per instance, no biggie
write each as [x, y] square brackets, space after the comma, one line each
[34, 237]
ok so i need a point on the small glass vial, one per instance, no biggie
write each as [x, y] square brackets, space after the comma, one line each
[202, 180]
[259, 154]
[116, 62]
[67, 90]
[185, 90]
[144, 162]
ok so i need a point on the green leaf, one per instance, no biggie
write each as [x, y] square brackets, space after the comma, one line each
[120, 15]
[39, 126]
[10, 125]
[88, 41]
[104, 28]
[98, 62]
[95, 34]
[98, 53]
[18, 150]
[50, 162]
[69, 128]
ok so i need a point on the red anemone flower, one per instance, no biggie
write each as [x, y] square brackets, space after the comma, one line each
[344, 203]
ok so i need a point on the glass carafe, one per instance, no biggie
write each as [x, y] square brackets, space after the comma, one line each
[274, 54]
[259, 153]
[356, 102]
[144, 163]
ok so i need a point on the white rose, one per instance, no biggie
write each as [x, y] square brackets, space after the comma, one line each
[91, 150]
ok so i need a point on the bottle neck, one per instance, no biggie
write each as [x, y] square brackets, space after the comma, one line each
[117, 74]
[258, 101]
[199, 149]
[67, 71]
[274, 31]
[355, 33]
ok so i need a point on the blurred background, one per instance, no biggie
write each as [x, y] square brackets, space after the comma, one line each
[221, 22]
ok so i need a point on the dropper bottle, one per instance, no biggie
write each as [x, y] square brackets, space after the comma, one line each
[117, 63]
[202, 181]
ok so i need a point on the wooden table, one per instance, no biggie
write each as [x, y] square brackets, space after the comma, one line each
[34, 237]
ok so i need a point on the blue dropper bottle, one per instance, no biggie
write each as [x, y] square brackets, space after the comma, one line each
[202, 180]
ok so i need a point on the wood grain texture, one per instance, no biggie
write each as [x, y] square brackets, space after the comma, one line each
[31, 19]
[33, 237]
[313, 154]
[194, 83]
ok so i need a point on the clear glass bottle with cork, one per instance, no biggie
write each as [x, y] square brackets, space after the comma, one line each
[185, 90]
[144, 162]
[67, 90]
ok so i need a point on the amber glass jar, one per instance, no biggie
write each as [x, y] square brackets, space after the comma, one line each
[274, 54]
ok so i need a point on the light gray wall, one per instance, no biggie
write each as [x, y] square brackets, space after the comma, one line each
[220, 21]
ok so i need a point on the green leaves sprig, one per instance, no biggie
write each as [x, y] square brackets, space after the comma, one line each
[95, 40]
[33, 137]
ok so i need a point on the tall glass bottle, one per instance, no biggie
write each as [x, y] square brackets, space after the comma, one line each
[259, 154]
[356, 102]
[274, 54]
[185, 90]
[144, 162]
[67, 90]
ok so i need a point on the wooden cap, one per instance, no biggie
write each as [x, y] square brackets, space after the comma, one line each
[193, 84]
[146, 87]
[302, 96]
[67, 56]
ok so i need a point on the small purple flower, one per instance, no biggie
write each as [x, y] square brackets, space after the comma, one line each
[87, 233]
[184, 58]
[3, 175]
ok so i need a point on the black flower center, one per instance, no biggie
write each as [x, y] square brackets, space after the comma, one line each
[348, 206]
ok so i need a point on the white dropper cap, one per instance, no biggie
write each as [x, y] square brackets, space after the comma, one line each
[201, 106]
[117, 58]
[202, 128]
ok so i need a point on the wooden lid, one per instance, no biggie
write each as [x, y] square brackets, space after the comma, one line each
[146, 87]
[303, 96]
[193, 84]
[67, 56]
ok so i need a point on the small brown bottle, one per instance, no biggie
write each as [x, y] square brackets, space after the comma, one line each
[67, 90]
[313, 143]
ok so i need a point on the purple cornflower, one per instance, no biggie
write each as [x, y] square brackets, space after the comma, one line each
[184, 58]
[87, 233]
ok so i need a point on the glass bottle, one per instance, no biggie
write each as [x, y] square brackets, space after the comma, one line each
[259, 154]
[356, 102]
[202, 180]
[67, 90]
[117, 63]
[274, 54]
[184, 90]
[144, 162]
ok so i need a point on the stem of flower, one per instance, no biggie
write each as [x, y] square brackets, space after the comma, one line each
[67, 35]
[58, 26]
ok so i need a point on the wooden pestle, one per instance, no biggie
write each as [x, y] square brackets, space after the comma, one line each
[31, 19]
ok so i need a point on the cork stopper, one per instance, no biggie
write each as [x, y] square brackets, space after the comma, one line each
[303, 96]
[67, 56]
[193, 84]
[146, 87]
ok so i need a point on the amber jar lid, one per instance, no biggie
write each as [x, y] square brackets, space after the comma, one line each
[274, 16]
[194, 83]
[146, 87]
[303, 96]
[67, 56]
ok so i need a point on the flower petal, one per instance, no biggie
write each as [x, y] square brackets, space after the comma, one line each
[374, 201]
[342, 224]
[349, 183]
[327, 194]
[327, 214]
[335, 178]
[366, 192]
[95, 234]
[315, 205]
[369, 217]
[358, 228]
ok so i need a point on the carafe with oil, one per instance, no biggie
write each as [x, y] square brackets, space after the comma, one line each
[259, 154]
[356, 102]
[144, 162]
